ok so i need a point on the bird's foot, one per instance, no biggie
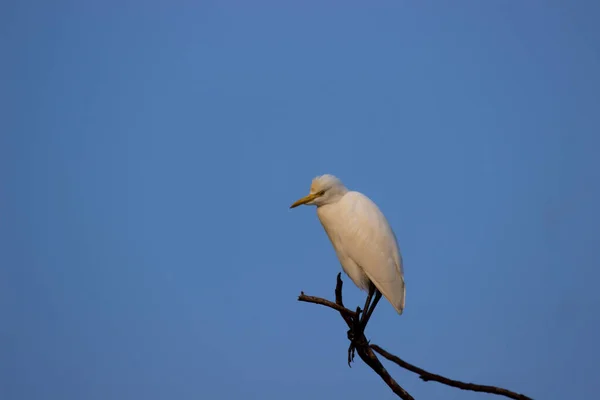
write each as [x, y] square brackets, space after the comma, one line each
[354, 333]
[351, 351]
[352, 348]
[357, 340]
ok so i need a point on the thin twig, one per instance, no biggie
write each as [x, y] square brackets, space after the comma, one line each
[327, 303]
[428, 376]
[338, 299]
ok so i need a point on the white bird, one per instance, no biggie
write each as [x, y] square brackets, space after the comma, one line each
[364, 242]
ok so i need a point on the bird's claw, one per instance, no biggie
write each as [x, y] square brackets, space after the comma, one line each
[351, 351]
[352, 347]
[354, 333]
[351, 335]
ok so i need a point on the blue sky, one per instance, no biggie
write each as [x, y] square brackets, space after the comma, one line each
[150, 151]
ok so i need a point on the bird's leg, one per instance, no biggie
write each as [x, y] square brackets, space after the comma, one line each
[367, 303]
[367, 313]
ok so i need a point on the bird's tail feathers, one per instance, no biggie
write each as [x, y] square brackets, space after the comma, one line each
[391, 294]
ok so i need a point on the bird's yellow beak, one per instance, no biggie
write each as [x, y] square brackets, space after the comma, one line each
[306, 199]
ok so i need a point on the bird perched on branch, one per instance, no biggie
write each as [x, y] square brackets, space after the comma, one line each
[364, 242]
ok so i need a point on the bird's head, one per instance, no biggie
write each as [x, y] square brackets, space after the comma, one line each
[325, 189]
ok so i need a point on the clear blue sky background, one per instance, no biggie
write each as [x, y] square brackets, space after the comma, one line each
[150, 152]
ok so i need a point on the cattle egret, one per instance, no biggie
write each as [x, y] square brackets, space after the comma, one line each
[364, 242]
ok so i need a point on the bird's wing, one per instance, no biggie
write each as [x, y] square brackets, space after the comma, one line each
[368, 239]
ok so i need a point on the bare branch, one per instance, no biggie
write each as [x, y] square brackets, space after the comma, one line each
[428, 376]
[327, 303]
[359, 340]
[367, 355]
[365, 351]
[338, 299]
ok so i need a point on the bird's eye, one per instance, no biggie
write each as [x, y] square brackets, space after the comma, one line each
[321, 193]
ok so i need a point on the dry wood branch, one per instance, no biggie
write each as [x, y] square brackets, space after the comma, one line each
[359, 340]
[428, 376]
[338, 299]
[365, 351]
[317, 300]
[367, 355]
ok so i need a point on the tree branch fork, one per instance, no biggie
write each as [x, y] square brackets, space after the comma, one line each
[366, 351]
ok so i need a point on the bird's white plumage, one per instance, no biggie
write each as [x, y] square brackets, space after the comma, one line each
[363, 239]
